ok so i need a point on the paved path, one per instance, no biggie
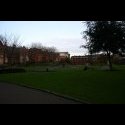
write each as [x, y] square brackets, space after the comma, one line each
[13, 94]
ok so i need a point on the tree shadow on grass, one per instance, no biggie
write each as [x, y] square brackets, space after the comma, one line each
[100, 68]
[46, 70]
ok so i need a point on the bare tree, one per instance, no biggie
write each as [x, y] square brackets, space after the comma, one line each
[48, 53]
[13, 49]
[10, 47]
[34, 51]
[36, 45]
[39, 45]
[51, 49]
[51, 53]
[4, 42]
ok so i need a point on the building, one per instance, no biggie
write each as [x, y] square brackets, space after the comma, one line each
[63, 56]
[24, 58]
[38, 56]
[35, 55]
[90, 59]
[22, 55]
[78, 60]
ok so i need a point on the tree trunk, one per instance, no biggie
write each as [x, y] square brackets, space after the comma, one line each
[109, 60]
[4, 53]
[4, 57]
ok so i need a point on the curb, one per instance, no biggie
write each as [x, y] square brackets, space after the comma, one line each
[57, 94]
[54, 93]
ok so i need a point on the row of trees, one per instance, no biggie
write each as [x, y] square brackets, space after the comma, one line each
[42, 53]
[11, 45]
[101, 36]
[38, 45]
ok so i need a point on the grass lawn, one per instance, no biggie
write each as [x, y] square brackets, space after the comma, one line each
[94, 86]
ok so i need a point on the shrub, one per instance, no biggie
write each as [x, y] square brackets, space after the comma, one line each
[12, 70]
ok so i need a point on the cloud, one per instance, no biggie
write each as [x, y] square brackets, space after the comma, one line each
[71, 45]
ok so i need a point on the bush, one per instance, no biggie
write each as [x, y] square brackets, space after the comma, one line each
[85, 68]
[47, 70]
[12, 70]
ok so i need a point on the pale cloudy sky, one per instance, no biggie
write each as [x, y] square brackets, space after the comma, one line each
[64, 35]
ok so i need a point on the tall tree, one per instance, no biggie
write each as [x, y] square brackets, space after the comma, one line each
[105, 36]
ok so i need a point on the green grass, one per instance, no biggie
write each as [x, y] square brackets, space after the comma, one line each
[94, 86]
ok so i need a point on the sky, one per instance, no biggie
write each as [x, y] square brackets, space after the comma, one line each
[64, 35]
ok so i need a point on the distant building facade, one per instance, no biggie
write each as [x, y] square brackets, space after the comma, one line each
[78, 60]
[63, 56]
[91, 59]
[23, 55]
